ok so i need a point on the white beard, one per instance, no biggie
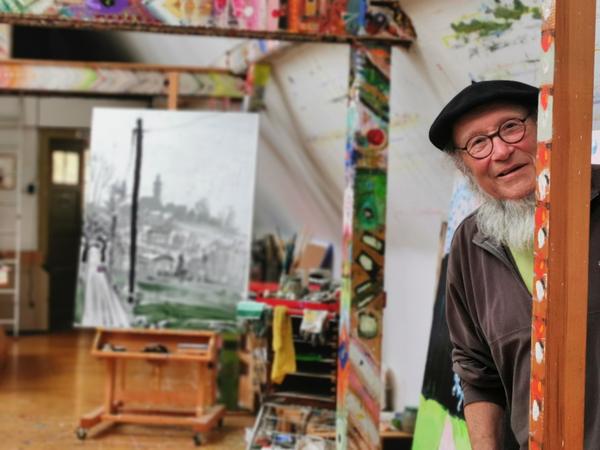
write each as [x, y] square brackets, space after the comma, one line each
[508, 222]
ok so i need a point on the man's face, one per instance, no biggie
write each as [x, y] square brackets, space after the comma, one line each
[508, 173]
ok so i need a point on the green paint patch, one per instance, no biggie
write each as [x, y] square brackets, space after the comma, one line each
[482, 27]
[429, 428]
[375, 90]
[503, 18]
[369, 199]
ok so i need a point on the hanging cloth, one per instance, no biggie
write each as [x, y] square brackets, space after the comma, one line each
[284, 361]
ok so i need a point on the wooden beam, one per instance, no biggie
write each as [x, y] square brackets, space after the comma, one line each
[562, 226]
[173, 92]
[69, 77]
[116, 66]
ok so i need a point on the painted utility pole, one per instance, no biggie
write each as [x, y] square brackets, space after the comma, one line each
[363, 247]
[138, 133]
[560, 290]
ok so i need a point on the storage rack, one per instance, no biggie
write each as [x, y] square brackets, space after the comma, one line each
[314, 383]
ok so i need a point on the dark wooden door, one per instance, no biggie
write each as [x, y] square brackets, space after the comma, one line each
[64, 227]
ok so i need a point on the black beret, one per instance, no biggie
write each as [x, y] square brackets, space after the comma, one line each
[475, 95]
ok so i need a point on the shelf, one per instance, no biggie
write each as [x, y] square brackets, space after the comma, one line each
[383, 434]
[299, 396]
[317, 361]
[328, 376]
[299, 305]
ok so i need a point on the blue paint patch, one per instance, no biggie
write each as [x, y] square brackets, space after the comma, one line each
[343, 354]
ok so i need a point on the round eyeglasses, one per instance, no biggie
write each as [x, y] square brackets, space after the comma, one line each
[511, 132]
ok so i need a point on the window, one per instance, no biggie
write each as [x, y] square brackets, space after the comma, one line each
[65, 167]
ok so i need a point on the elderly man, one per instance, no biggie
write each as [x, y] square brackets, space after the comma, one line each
[489, 130]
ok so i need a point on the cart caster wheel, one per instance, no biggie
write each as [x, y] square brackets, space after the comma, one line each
[81, 433]
[198, 439]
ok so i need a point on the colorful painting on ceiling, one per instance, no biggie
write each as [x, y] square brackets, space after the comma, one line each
[166, 236]
[499, 38]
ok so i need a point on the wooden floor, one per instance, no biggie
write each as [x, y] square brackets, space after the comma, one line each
[49, 381]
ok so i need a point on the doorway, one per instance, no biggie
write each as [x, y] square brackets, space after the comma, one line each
[62, 159]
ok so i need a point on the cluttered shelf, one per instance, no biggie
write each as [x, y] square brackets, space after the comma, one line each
[299, 324]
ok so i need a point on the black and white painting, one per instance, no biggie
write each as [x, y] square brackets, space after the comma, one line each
[167, 222]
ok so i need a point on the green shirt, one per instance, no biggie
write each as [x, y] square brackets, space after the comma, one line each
[524, 260]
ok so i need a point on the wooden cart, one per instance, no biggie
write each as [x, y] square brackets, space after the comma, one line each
[195, 355]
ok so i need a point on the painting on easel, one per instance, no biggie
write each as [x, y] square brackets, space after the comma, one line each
[167, 222]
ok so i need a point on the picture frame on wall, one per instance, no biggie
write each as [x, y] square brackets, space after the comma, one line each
[8, 171]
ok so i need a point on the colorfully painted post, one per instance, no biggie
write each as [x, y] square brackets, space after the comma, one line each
[363, 248]
[560, 290]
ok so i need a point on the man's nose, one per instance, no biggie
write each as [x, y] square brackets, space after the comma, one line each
[501, 150]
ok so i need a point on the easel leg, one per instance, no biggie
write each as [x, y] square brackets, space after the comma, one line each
[109, 386]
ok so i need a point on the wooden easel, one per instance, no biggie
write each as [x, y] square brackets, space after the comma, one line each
[193, 407]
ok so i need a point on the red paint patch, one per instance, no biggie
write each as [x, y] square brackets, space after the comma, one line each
[544, 96]
[547, 40]
[376, 136]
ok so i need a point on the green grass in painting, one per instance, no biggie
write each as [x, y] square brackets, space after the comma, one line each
[178, 315]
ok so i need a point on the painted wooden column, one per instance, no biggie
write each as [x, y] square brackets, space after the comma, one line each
[363, 297]
[560, 291]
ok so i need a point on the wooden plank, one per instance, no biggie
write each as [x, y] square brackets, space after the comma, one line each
[92, 418]
[175, 399]
[173, 92]
[109, 386]
[199, 423]
[562, 226]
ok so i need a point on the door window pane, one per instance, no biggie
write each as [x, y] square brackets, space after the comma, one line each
[65, 167]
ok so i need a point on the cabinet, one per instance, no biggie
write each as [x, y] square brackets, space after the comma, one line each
[306, 399]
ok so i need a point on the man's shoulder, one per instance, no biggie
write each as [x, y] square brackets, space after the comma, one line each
[465, 230]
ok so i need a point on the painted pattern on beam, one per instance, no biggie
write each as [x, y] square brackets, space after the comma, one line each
[16, 76]
[542, 216]
[381, 19]
[363, 297]
[5, 41]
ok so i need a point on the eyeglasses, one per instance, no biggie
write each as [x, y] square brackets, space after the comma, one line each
[511, 132]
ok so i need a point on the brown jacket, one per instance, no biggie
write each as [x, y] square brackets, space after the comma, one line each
[488, 308]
